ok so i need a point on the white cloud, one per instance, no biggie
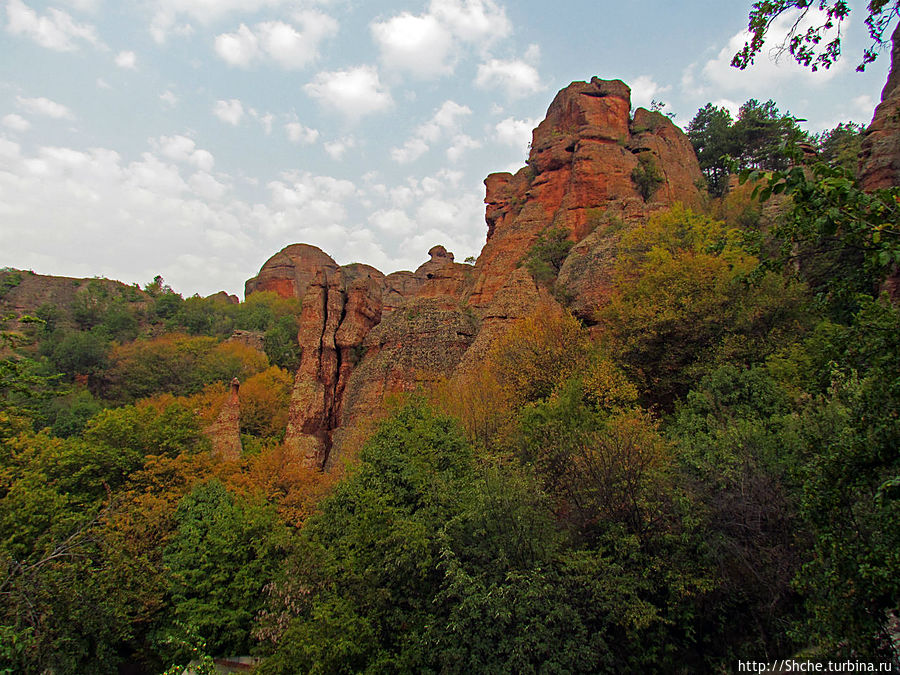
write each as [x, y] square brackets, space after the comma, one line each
[206, 186]
[265, 120]
[183, 149]
[516, 133]
[281, 42]
[126, 59]
[354, 93]
[175, 16]
[58, 200]
[447, 118]
[168, 98]
[240, 48]
[516, 78]
[55, 30]
[410, 151]
[336, 149]
[297, 133]
[460, 144]
[644, 90]
[417, 44]
[393, 221]
[44, 106]
[230, 111]
[16, 122]
[429, 45]
[477, 21]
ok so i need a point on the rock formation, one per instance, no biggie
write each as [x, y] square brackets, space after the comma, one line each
[290, 271]
[365, 335]
[225, 432]
[580, 177]
[879, 159]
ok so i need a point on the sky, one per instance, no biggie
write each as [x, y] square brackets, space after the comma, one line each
[194, 139]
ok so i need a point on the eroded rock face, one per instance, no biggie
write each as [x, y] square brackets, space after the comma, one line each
[366, 335]
[879, 158]
[580, 177]
[411, 347]
[225, 432]
[290, 271]
[340, 308]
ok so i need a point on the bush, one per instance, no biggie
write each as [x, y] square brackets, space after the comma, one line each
[646, 176]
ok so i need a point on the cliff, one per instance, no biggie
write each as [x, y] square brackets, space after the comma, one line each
[365, 335]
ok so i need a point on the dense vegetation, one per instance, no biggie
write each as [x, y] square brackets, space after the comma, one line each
[708, 472]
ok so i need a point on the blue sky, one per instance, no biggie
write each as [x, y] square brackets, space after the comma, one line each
[195, 138]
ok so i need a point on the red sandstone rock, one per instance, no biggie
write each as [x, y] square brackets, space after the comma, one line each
[879, 158]
[290, 271]
[579, 177]
[225, 432]
[365, 335]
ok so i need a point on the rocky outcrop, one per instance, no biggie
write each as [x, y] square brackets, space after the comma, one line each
[580, 177]
[290, 271]
[250, 338]
[225, 432]
[365, 335]
[879, 158]
[411, 347]
[222, 296]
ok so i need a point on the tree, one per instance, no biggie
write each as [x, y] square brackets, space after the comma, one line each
[758, 138]
[804, 43]
[225, 550]
[840, 146]
[710, 134]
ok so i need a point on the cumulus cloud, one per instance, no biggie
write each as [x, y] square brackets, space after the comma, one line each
[417, 44]
[297, 133]
[44, 106]
[176, 16]
[429, 45]
[55, 30]
[392, 221]
[516, 78]
[354, 93]
[473, 20]
[644, 90]
[515, 133]
[126, 59]
[277, 41]
[57, 200]
[16, 122]
[461, 143]
[265, 120]
[230, 111]
[445, 119]
[183, 149]
[336, 149]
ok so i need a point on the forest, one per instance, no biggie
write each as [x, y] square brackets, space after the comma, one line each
[706, 473]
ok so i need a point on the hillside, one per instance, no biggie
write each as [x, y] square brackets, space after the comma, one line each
[648, 429]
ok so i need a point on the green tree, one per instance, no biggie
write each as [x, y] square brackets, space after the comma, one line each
[546, 256]
[224, 552]
[840, 146]
[711, 135]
